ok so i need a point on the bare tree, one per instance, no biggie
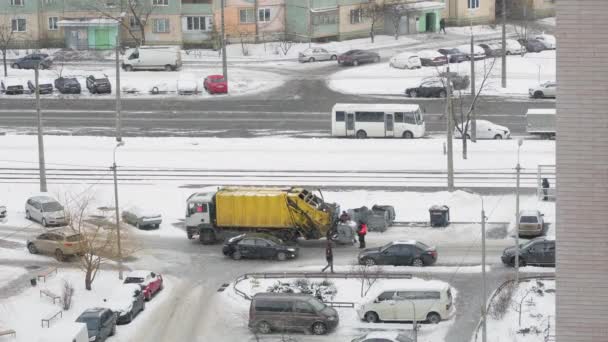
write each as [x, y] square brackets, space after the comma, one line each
[6, 38]
[395, 10]
[131, 15]
[374, 12]
[67, 295]
[518, 304]
[368, 275]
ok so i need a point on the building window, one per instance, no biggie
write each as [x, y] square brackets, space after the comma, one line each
[53, 23]
[356, 16]
[264, 15]
[18, 25]
[473, 4]
[17, 2]
[133, 23]
[160, 2]
[246, 16]
[161, 25]
[324, 19]
[198, 23]
[49, 2]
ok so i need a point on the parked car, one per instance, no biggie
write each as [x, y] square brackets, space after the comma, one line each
[65, 330]
[12, 86]
[291, 311]
[46, 210]
[433, 87]
[539, 251]
[141, 218]
[546, 89]
[32, 60]
[356, 57]
[258, 246]
[67, 85]
[485, 130]
[45, 86]
[478, 52]
[492, 49]
[531, 223]
[399, 253]
[405, 60]
[187, 87]
[60, 243]
[2, 211]
[99, 84]
[454, 54]
[514, 47]
[101, 323]
[317, 54]
[216, 84]
[168, 58]
[532, 45]
[432, 58]
[384, 336]
[548, 41]
[150, 282]
[127, 302]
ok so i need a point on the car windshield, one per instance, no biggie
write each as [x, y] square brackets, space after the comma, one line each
[317, 304]
[528, 219]
[527, 244]
[92, 322]
[422, 246]
[217, 80]
[74, 238]
[134, 280]
[51, 206]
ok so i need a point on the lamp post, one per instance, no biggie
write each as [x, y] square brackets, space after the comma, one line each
[520, 142]
[473, 115]
[121, 143]
[414, 322]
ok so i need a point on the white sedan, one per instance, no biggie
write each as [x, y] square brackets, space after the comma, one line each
[514, 47]
[485, 130]
[317, 54]
[478, 51]
[384, 336]
[405, 60]
[547, 89]
[187, 87]
[141, 218]
[548, 41]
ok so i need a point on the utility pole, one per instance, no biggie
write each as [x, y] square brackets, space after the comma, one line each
[415, 322]
[41, 163]
[518, 170]
[121, 143]
[117, 91]
[473, 115]
[483, 274]
[450, 129]
[504, 44]
[224, 59]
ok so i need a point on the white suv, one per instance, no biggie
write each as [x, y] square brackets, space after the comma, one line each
[45, 210]
[547, 89]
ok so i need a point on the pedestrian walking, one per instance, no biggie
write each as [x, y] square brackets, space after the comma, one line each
[362, 231]
[442, 25]
[329, 256]
[546, 186]
[344, 217]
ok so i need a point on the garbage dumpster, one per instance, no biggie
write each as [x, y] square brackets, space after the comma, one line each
[389, 209]
[440, 215]
[346, 233]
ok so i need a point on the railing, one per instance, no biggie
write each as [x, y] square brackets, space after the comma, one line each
[546, 172]
[48, 320]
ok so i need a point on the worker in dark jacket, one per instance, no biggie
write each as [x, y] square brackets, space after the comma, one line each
[329, 256]
[362, 232]
[546, 189]
[442, 25]
[344, 217]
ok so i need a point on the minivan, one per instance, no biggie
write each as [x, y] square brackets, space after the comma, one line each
[168, 58]
[431, 302]
[291, 311]
[531, 223]
[45, 210]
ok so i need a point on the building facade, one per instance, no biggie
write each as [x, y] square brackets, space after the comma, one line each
[467, 12]
[252, 20]
[582, 172]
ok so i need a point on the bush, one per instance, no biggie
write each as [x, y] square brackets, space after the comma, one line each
[67, 294]
[502, 301]
[323, 290]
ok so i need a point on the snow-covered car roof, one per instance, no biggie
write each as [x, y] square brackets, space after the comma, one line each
[529, 212]
[43, 198]
[12, 81]
[142, 212]
[122, 297]
[465, 48]
[186, 84]
[429, 54]
[138, 274]
[98, 75]
[414, 284]
[405, 54]
[390, 335]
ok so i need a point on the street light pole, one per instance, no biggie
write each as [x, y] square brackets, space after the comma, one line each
[41, 162]
[504, 44]
[483, 272]
[121, 143]
[450, 129]
[223, 38]
[117, 90]
[414, 322]
[518, 170]
[473, 115]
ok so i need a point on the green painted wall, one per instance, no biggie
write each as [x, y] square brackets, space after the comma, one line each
[297, 18]
[102, 38]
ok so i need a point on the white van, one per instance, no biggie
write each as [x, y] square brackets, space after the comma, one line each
[66, 332]
[365, 120]
[430, 301]
[168, 58]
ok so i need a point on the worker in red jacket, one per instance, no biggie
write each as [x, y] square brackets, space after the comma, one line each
[361, 232]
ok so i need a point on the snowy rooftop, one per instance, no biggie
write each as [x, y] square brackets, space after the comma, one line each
[376, 107]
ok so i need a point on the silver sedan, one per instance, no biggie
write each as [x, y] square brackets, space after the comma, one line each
[141, 218]
[317, 54]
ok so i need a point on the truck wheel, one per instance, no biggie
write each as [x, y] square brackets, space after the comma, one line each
[236, 255]
[190, 236]
[207, 237]
[281, 256]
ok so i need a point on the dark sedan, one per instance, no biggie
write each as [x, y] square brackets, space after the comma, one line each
[399, 253]
[432, 58]
[539, 251]
[67, 85]
[356, 57]
[455, 55]
[492, 50]
[258, 246]
[532, 45]
[32, 60]
[45, 87]
[99, 85]
[428, 88]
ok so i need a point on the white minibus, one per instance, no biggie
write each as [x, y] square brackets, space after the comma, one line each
[362, 120]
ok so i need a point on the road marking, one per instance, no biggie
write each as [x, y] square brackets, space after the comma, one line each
[87, 111]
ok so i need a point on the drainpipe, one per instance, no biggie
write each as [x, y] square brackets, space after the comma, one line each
[255, 15]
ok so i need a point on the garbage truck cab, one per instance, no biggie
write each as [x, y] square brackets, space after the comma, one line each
[198, 212]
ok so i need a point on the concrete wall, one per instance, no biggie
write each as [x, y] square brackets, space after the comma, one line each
[457, 12]
[582, 172]
[348, 30]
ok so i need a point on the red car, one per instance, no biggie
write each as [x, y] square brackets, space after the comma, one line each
[150, 282]
[216, 84]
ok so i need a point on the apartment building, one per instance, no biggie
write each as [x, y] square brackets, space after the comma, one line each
[467, 12]
[252, 20]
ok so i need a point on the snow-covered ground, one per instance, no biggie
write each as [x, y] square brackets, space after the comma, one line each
[522, 73]
[141, 83]
[24, 311]
[8, 273]
[538, 314]
[235, 309]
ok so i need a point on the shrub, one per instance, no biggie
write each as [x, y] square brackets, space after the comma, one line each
[67, 294]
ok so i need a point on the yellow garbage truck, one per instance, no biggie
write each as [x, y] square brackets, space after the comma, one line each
[287, 213]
